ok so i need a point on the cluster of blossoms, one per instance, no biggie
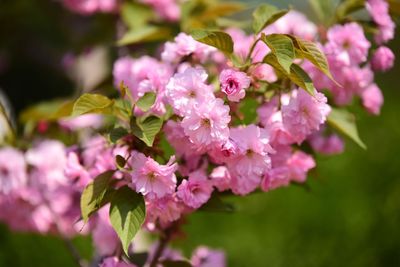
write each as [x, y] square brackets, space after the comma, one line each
[199, 92]
[166, 9]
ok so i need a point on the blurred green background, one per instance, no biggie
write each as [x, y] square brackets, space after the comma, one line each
[350, 216]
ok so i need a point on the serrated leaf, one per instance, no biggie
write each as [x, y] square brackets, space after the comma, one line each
[282, 47]
[127, 214]
[117, 133]
[93, 194]
[345, 122]
[48, 111]
[311, 52]
[215, 204]
[218, 39]
[7, 134]
[265, 15]
[146, 101]
[91, 103]
[179, 263]
[147, 129]
[144, 34]
[297, 75]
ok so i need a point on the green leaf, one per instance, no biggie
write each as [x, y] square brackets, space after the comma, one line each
[94, 193]
[265, 15]
[146, 101]
[282, 47]
[91, 103]
[345, 122]
[324, 9]
[297, 75]
[348, 6]
[311, 52]
[127, 214]
[179, 263]
[218, 39]
[117, 133]
[215, 204]
[135, 15]
[145, 34]
[47, 111]
[147, 129]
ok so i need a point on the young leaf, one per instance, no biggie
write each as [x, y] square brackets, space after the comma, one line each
[146, 101]
[144, 34]
[147, 129]
[117, 133]
[127, 214]
[347, 7]
[297, 75]
[310, 51]
[324, 9]
[265, 15]
[282, 47]
[345, 122]
[94, 193]
[91, 103]
[218, 39]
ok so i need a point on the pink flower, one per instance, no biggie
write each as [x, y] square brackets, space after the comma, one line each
[163, 210]
[294, 23]
[12, 170]
[152, 179]
[184, 45]
[286, 167]
[379, 10]
[115, 262]
[168, 9]
[179, 141]
[84, 121]
[220, 178]
[207, 123]
[372, 99]
[186, 89]
[383, 59]
[74, 170]
[327, 145]
[304, 114]
[234, 83]
[195, 191]
[88, 7]
[241, 41]
[252, 159]
[104, 236]
[299, 164]
[206, 257]
[348, 43]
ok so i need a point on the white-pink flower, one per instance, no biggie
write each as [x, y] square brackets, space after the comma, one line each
[348, 43]
[151, 178]
[186, 89]
[304, 114]
[252, 160]
[207, 123]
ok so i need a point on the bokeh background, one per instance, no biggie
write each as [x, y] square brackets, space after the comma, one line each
[348, 215]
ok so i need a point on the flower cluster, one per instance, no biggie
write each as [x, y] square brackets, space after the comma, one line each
[220, 114]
